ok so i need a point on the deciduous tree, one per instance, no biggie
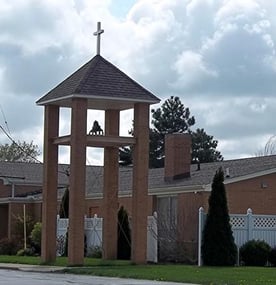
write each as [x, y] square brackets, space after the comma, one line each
[19, 152]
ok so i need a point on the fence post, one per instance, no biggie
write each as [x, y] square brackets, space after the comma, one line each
[58, 218]
[200, 229]
[155, 238]
[249, 225]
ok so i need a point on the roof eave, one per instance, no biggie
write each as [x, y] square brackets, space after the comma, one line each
[245, 177]
[128, 102]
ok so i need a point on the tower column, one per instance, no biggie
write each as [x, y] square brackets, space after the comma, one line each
[111, 185]
[77, 182]
[50, 184]
[140, 183]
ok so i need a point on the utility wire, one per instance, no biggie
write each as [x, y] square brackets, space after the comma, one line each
[65, 171]
[19, 146]
[5, 120]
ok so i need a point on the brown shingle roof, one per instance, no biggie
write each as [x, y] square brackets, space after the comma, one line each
[238, 168]
[97, 80]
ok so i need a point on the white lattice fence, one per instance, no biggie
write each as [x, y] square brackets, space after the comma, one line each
[93, 233]
[249, 226]
[245, 227]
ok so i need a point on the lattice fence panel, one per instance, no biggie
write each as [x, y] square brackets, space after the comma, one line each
[238, 221]
[264, 222]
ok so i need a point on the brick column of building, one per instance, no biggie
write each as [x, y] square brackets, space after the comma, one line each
[140, 183]
[110, 191]
[77, 182]
[50, 184]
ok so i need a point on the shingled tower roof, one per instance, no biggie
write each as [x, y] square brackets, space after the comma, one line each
[103, 84]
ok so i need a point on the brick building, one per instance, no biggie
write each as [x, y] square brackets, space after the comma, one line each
[176, 192]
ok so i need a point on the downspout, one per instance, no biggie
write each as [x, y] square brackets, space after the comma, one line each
[13, 190]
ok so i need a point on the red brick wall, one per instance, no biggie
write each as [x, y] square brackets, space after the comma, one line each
[6, 190]
[4, 217]
[250, 194]
[94, 206]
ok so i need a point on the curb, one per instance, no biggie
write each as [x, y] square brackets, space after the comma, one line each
[31, 268]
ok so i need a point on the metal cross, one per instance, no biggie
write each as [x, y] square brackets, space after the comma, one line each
[98, 34]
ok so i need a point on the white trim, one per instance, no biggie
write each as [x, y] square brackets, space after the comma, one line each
[175, 190]
[29, 199]
[102, 98]
[244, 177]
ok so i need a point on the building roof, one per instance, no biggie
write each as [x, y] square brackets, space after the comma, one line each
[103, 84]
[239, 169]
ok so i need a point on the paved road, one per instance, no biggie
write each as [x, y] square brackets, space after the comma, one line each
[17, 277]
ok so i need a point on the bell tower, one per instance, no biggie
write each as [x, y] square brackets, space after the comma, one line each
[97, 85]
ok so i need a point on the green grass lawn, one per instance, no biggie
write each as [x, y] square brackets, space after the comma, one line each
[177, 273]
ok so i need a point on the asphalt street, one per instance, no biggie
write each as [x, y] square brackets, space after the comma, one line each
[18, 277]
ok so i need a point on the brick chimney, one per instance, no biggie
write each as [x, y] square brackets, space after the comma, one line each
[177, 156]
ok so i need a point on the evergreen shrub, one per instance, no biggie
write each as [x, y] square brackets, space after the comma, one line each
[218, 246]
[272, 256]
[124, 238]
[255, 253]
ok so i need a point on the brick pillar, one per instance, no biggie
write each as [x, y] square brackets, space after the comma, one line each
[140, 183]
[50, 183]
[110, 191]
[77, 182]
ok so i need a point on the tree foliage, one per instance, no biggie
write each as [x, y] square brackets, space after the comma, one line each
[36, 237]
[19, 152]
[171, 117]
[218, 247]
[204, 147]
[64, 205]
[174, 117]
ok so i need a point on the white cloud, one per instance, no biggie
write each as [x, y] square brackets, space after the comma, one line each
[218, 56]
[191, 70]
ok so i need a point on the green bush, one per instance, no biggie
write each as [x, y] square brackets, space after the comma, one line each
[272, 256]
[8, 246]
[95, 252]
[36, 237]
[19, 227]
[254, 253]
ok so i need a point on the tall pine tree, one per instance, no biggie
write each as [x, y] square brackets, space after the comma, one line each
[174, 117]
[171, 117]
[218, 247]
[204, 147]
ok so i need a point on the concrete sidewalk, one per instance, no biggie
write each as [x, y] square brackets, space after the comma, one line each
[57, 272]
[31, 268]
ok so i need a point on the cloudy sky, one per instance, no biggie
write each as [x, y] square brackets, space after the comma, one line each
[218, 56]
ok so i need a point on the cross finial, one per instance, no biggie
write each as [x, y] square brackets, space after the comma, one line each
[98, 34]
